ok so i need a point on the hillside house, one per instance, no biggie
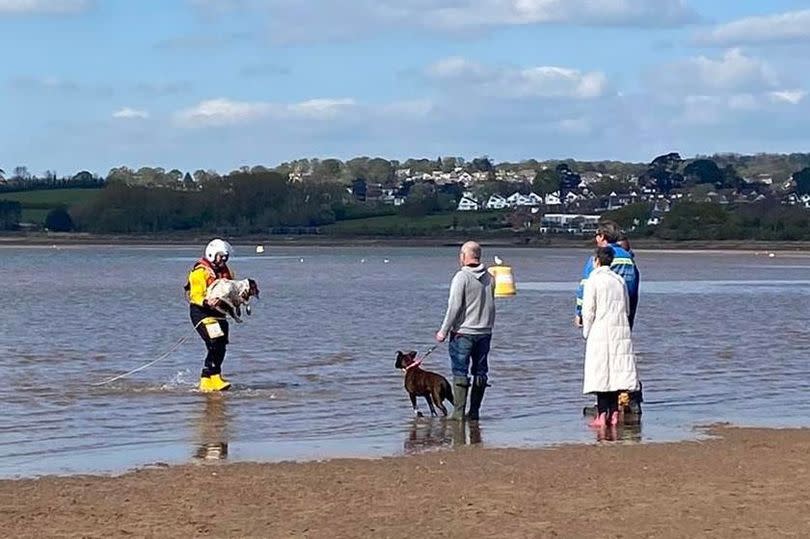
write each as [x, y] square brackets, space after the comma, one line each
[468, 204]
[497, 202]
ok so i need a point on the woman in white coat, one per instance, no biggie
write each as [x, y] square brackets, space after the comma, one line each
[610, 364]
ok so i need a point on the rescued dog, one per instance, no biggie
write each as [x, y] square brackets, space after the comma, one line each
[418, 383]
[230, 296]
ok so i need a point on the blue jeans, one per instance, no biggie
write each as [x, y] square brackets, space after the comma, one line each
[467, 349]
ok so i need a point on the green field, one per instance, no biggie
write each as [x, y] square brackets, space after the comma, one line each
[50, 198]
[37, 204]
[34, 216]
[400, 225]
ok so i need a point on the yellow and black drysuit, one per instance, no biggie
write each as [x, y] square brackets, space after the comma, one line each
[209, 323]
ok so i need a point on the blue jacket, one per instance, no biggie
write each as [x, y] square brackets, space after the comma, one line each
[623, 265]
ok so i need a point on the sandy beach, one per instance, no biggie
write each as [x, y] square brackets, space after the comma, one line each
[743, 483]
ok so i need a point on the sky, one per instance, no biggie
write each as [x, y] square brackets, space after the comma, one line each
[189, 84]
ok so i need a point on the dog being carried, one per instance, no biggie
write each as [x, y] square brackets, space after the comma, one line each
[418, 383]
[229, 296]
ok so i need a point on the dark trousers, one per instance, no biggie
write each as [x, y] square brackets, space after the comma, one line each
[631, 318]
[636, 397]
[216, 347]
[607, 402]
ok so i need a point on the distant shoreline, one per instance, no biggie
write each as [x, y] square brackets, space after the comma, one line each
[639, 244]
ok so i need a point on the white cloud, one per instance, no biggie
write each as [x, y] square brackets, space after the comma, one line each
[514, 83]
[722, 91]
[459, 68]
[733, 72]
[127, 113]
[791, 97]
[54, 85]
[223, 111]
[459, 14]
[24, 7]
[330, 20]
[782, 27]
[321, 108]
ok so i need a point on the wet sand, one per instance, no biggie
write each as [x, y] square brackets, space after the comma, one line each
[747, 482]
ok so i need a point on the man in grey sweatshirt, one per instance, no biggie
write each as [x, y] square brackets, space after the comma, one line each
[468, 323]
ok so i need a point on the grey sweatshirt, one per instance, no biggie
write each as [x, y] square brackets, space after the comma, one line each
[471, 306]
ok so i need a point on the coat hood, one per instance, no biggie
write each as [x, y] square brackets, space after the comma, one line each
[476, 271]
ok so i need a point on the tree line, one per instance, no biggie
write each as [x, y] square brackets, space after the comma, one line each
[257, 199]
[240, 203]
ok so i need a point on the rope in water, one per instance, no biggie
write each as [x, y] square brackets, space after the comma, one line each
[166, 354]
[146, 365]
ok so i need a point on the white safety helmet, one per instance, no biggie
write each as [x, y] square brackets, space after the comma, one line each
[217, 247]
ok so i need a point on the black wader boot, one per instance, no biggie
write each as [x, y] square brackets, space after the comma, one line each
[479, 386]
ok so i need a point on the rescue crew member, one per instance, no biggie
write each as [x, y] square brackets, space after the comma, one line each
[210, 323]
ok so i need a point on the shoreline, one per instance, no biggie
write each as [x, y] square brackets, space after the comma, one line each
[741, 481]
[45, 240]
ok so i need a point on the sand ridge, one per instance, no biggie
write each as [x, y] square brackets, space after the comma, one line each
[745, 483]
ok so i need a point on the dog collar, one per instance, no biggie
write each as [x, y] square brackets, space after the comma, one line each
[416, 363]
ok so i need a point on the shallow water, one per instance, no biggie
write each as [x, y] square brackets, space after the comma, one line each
[720, 337]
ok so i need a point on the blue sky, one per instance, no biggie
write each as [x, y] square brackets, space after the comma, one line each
[92, 84]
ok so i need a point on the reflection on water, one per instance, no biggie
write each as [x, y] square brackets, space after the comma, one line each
[427, 434]
[629, 434]
[719, 337]
[212, 428]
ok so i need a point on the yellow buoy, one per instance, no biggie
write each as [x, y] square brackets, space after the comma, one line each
[504, 281]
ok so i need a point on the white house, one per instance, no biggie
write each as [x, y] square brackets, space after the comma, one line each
[517, 200]
[391, 198]
[590, 177]
[571, 223]
[553, 199]
[468, 204]
[535, 198]
[497, 202]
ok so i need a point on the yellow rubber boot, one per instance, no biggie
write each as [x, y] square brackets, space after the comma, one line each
[206, 385]
[218, 384]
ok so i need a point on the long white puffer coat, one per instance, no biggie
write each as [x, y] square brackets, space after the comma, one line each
[610, 364]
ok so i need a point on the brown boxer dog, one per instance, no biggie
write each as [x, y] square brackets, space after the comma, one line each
[419, 383]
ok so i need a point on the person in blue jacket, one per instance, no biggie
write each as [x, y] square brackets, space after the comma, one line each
[610, 234]
[624, 265]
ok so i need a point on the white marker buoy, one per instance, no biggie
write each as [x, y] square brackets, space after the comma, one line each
[259, 249]
[771, 255]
